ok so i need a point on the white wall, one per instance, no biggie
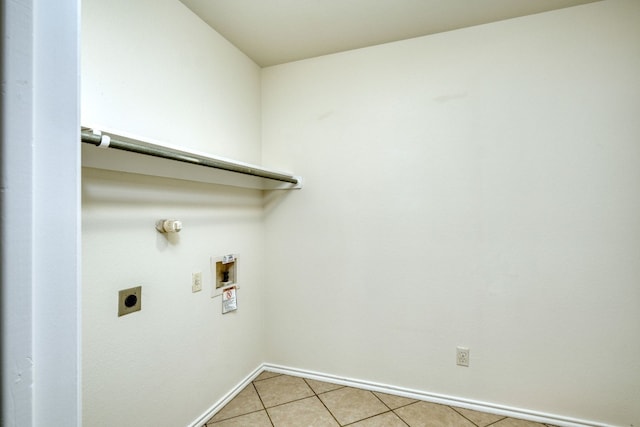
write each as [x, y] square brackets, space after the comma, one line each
[16, 202]
[56, 215]
[152, 68]
[39, 202]
[479, 188]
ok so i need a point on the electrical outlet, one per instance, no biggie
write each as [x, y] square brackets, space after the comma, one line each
[129, 300]
[462, 356]
[196, 282]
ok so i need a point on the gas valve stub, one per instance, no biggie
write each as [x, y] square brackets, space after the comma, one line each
[168, 225]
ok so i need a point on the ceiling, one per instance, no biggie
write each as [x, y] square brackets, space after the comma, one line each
[277, 31]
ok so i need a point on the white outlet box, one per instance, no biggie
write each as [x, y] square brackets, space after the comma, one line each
[462, 356]
[196, 282]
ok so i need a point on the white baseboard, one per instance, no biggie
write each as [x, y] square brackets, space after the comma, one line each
[202, 419]
[490, 408]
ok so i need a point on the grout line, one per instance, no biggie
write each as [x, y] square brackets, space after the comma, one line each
[400, 416]
[212, 424]
[462, 415]
[329, 391]
[279, 404]
[321, 401]
[291, 401]
[401, 419]
[404, 406]
[378, 397]
[275, 375]
[391, 410]
[373, 416]
[264, 408]
[309, 385]
[408, 404]
[496, 422]
[322, 392]
[328, 410]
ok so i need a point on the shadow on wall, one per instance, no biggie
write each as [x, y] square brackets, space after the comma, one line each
[118, 200]
[273, 198]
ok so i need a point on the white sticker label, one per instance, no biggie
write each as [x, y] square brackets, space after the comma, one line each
[229, 300]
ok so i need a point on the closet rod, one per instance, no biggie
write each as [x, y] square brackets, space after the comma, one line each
[87, 136]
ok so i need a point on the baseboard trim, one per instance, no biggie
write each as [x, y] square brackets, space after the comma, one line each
[202, 419]
[524, 414]
[491, 408]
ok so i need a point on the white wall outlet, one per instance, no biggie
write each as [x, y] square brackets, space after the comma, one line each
[196, 282]
[462, 356]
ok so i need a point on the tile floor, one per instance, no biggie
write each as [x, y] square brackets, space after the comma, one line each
[275, 400]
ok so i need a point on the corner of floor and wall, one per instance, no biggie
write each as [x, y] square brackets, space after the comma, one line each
[475, 188]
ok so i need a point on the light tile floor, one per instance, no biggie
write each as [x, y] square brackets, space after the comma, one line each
[275, 400]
